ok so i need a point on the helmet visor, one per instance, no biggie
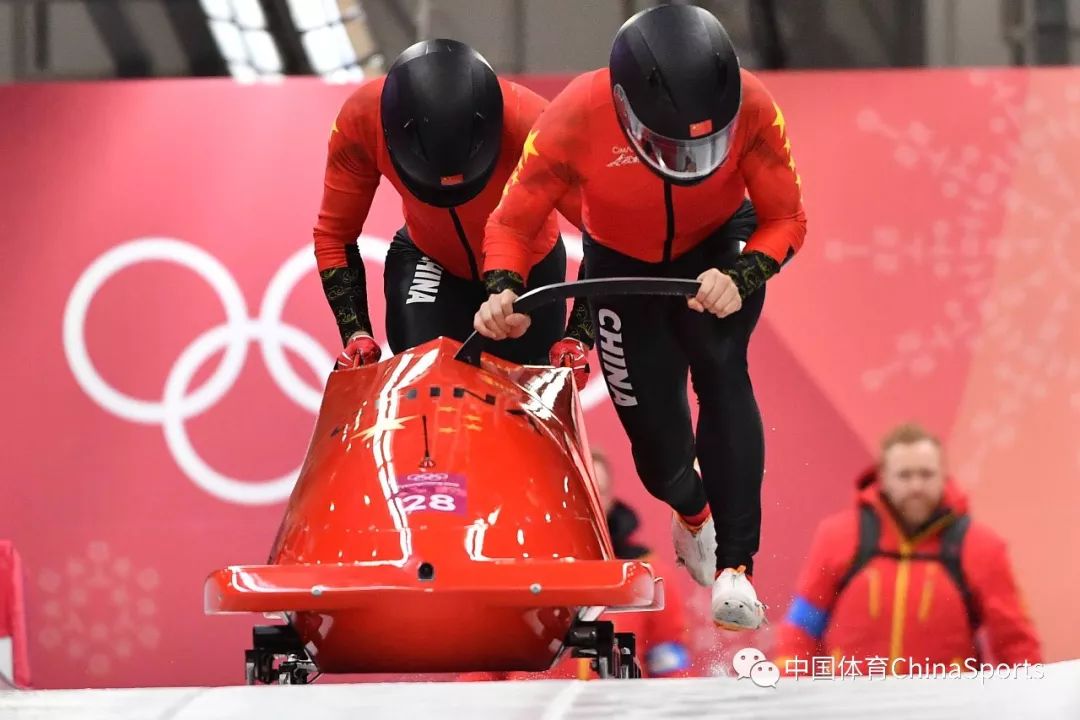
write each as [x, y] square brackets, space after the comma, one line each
[678, 159]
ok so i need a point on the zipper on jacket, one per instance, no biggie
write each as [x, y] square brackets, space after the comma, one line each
[903, 576]
[465, 244]
[669, 205]
[900, 601]
[873, 583]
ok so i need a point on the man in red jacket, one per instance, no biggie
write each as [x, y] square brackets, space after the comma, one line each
[663, 146]
[446, 133]
[907, 576]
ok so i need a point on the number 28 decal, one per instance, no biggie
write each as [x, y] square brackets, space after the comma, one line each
[431, 492]
[438, 501]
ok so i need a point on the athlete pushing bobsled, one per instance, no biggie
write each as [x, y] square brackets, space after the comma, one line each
[662, 147]
[447, 133]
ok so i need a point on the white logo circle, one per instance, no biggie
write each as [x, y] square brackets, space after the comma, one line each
[179, 402]
[112, 262]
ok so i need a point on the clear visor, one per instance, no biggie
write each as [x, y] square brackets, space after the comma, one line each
[685, 160]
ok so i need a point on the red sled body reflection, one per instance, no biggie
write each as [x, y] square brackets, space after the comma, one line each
[445, 520]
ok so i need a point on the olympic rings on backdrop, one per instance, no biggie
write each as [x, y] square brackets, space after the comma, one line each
[179, 402]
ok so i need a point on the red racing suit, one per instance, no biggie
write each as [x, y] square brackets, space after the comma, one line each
[578, 147]
[450, 237]
[358, 157]
[638, 224]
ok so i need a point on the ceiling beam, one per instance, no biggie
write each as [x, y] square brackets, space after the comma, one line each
[124, 45]
[279, 23]
[192, 29]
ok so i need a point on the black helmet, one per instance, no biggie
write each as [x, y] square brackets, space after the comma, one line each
[442, 114]
[676, 87]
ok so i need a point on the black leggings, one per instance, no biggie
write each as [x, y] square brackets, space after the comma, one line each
[646, 347]
[423, 301]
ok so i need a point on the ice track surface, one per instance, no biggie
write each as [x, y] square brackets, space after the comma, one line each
[1055, 696]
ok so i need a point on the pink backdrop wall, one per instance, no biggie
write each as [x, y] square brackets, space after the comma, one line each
[148, 225]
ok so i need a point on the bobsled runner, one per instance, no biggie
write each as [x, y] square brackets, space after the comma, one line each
[445, 520]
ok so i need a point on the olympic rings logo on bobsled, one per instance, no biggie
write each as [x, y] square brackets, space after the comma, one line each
[426, 477]
[180, 402]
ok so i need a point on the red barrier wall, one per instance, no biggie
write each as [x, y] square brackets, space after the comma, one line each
[940, 280]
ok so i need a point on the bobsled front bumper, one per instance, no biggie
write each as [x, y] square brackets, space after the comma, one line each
[613, 584]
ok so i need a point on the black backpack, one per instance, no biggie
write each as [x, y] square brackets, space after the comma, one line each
[952, 539]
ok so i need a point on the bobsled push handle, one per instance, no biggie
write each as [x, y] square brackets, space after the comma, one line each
[561, 292]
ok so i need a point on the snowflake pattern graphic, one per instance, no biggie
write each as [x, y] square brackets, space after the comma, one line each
[1011, 283]
[99, 611]
[1029, 324]
[957, 248]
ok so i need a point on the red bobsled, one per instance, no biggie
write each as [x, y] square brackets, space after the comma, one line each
[445, 520]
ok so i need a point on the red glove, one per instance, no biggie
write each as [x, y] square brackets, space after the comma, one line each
[360, 350]
[573, 354]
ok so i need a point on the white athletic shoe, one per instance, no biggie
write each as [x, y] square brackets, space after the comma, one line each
[695, 550]
[735, 605]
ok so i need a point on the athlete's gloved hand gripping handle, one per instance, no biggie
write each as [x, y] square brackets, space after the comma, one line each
[360, 350]
[574, 354]
[497, 320]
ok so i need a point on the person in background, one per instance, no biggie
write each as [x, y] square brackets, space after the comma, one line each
[907, 575]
